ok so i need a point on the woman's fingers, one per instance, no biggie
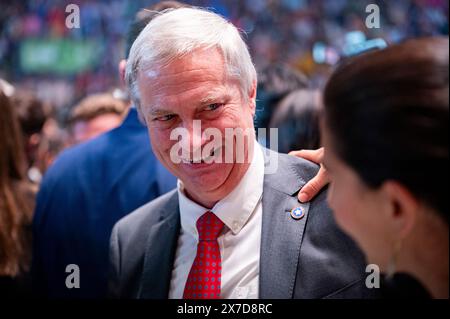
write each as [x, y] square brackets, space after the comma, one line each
[315, 156]
[313, 187]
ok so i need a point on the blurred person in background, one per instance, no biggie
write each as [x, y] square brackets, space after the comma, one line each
[87, 190]
[95, 115]
[16, 206]
[297, 120]
[32, 114]
[54, 139]
[275, 82]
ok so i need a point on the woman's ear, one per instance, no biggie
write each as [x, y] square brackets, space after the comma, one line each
[403, 207]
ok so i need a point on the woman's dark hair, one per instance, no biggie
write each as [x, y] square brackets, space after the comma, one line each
[16, 196]
[387, 113]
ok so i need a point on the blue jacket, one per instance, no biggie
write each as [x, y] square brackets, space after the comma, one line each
[84, 193]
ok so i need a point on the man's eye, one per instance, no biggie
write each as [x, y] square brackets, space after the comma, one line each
[165, 118]
[213, 106]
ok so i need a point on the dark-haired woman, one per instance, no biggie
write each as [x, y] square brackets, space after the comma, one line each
[385, 133]
[16, 207]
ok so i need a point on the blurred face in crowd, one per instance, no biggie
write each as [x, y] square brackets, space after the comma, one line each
[196, 87]
[85, 130]
[362, 212]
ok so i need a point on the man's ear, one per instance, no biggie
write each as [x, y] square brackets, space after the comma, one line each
[122, 67]
[252, 98]
[403, 207]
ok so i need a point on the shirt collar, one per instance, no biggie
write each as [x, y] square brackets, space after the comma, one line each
[235, 209]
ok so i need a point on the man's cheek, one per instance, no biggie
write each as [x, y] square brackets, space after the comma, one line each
[157, 137]
[159, 143]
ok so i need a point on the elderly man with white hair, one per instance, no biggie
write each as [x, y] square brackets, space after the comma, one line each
[233, 228]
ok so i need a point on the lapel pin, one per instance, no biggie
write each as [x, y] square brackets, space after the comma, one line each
[297, 213]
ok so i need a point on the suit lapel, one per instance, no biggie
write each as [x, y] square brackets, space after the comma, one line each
[160, 253]
[282, 235]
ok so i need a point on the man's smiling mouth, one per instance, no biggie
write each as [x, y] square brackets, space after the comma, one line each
[209, 159]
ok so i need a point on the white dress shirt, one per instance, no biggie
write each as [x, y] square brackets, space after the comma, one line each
[239, 242]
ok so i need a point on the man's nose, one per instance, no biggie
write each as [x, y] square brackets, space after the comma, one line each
[195, 139]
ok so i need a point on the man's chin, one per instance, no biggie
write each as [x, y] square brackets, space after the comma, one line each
[205, 182]
[204, 169]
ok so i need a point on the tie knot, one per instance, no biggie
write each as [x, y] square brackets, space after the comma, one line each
[209, 226]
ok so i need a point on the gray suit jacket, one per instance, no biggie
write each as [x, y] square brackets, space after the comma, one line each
[306, 258]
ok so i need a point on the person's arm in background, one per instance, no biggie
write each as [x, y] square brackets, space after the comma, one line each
[313, 187]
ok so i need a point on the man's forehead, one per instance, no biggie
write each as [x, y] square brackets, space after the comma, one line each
[182, 76]
[201, 62]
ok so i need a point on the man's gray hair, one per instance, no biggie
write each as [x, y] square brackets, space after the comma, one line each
[177, 32]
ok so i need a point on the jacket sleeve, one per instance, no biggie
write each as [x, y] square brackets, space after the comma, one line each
[114, 264]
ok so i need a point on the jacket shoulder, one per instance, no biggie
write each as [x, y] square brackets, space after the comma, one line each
[128, 243]
[147, 215]
[302, 167]
[287, 173]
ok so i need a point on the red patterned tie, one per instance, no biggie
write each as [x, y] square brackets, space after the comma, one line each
[204, 278]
